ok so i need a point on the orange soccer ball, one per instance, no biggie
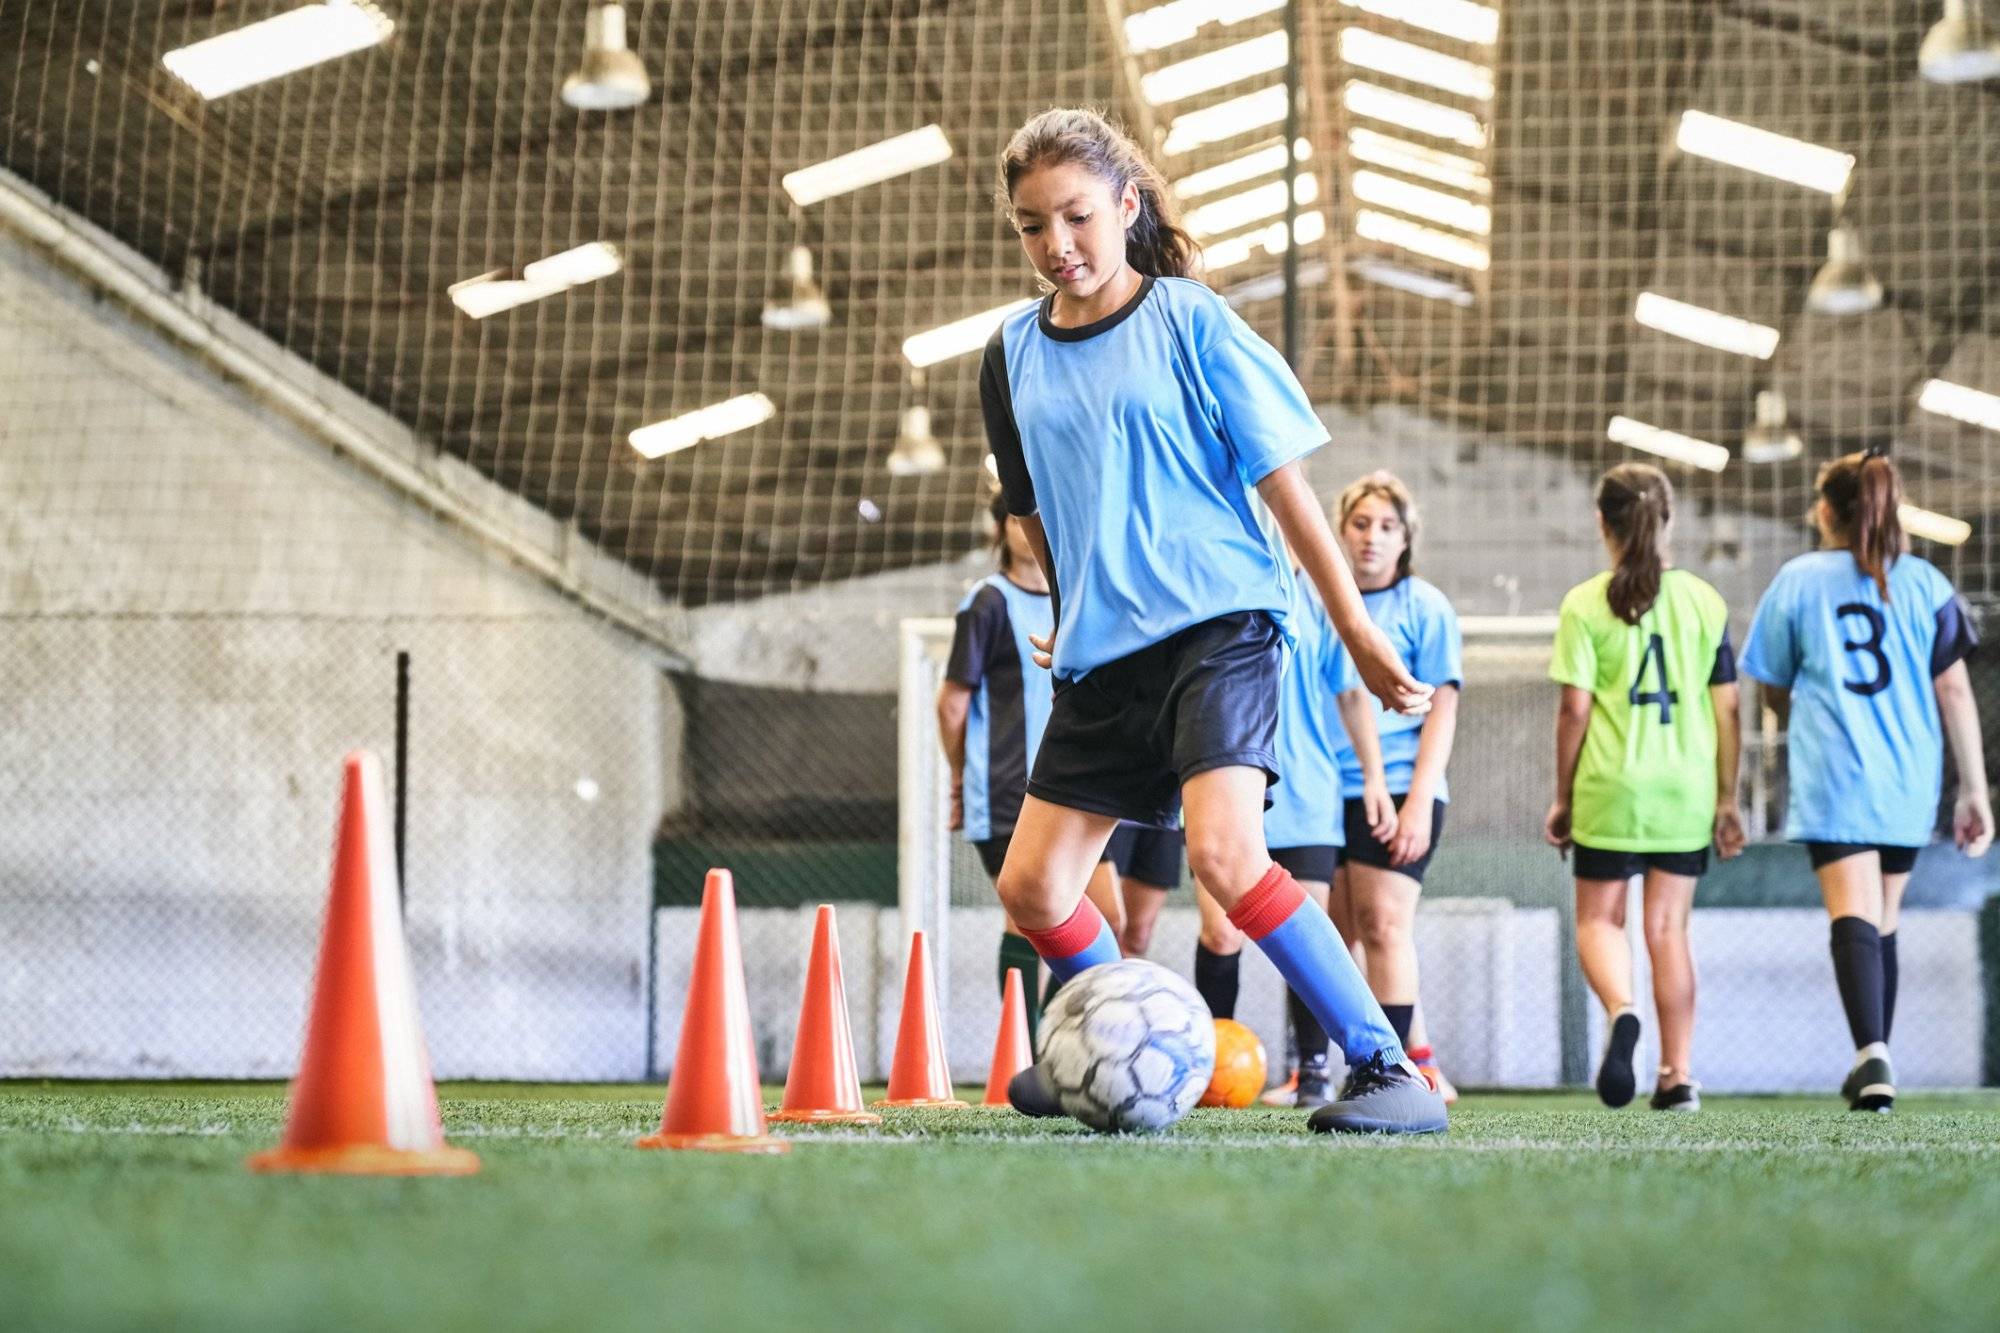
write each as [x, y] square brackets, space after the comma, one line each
[1239, 1066]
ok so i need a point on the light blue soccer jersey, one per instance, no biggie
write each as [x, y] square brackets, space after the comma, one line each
[1011, 696]
[1305, 804]
[1139, 440]
[1865, 745]
[1423, 627]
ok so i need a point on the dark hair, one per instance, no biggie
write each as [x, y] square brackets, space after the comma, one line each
[1863, 491]
[1636, 501]
[1155, 244]
[1389, 487]
[998, 510]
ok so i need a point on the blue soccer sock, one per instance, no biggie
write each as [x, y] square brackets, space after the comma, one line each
[1298, 936]
[1085, 940]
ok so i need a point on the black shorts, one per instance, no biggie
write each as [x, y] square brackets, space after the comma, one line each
[1148, 856]
[993, 853]
[1315, 863]
[1596, 863]
[1121, 740]
[1895, 860]
[1363, 849]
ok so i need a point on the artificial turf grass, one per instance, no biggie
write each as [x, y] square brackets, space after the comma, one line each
[129, 1206]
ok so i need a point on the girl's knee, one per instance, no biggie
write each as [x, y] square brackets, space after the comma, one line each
[1029, 898]
[1220, 936]
[1382, 926]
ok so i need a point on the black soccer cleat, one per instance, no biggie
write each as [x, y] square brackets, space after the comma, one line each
[1616, 1083]
[1029, 1093]
[1680, 1097]
[1381, 1098]
[1315, 1089]
[1870, 1085]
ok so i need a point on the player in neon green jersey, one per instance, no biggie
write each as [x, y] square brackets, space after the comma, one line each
[1646, 759]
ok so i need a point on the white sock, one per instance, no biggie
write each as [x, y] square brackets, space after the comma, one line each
[1874, 1050]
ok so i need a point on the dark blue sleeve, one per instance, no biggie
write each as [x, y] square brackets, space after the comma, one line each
[979, 626]
[1955, 637]
[1725, 662]
[1003, 436]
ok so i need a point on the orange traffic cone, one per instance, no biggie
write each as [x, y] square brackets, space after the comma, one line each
[824, 1086]
[364, 1103]
[713, 1100]
[919, 1076]
[1011, 1051]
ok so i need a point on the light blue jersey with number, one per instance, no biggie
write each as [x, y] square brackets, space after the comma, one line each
[1865, 748]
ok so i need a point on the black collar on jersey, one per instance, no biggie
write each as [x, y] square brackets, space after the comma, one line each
[1091, 330]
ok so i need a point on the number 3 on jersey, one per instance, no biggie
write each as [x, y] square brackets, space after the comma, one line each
[1870, 646]
[1654, 659]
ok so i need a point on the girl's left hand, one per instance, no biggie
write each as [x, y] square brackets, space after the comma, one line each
[1383, 672]
[1729, 835]
[1972, 823]
[1413, 832]
[1380, 809]
[1045, 650]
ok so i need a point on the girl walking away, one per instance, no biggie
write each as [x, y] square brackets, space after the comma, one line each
[991, 710]
[1646, 759]
[1382, 868]
[1132, 414]
[1862, 647]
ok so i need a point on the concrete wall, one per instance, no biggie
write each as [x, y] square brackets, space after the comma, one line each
[200, 607]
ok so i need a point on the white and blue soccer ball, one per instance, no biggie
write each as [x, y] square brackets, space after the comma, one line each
[1128, 1046]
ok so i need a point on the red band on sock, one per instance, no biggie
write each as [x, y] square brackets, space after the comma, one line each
[1072, 936]
[1419, 1055]
[1269, 904]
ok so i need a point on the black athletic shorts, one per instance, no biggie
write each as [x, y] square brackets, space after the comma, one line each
[1122, 739]
[1148, 856]
[1363, 849]
[1316, 863]
[1596, 863]
[993, 853]
[1895, 860]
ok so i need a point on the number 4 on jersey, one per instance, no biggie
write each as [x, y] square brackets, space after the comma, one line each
[1655, 659]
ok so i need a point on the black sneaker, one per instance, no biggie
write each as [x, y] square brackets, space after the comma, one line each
[1381, 1098]
[1616, 1083]
[1315, 1089]
[1029, 1093]
[1870, 1085]
[1680, 1097]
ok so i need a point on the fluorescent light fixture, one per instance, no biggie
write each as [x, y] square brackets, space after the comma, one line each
[1217, 69]
[1738, 145]
[1413, 113]
[1226, 120]
[277, 46]
[1372, 187]
[1400, 155]
[1960, 403]
[1253, 205]
[491, 293]
[1418, 64]
[867, 166]
[707, 423]
[1941, 528]
[1169, 24]
[1388, 274]
[1710, 328]
[1668, 444]
[1459, 19]
[1389, 229]
[958, 337]
[1271, 240]
[1261, 162]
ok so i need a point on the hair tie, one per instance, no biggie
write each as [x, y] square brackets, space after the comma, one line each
[1874, 451]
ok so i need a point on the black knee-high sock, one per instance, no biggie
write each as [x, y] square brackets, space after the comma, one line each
[1400, 1018]
[1857, 966]
[1017, 952]
[1215, 978]
[1309, 1035]
[1888, 983]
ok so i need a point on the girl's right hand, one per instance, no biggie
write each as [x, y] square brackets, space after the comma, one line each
[1382, 671]
[1555, 827]
[1972, 823]
[1379, 807]
[1729, 835]
[1045, 650]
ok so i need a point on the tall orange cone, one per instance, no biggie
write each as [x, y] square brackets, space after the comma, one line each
[364, 1103]
[824, 1085]
[1011, 1051]
[919, 1076]
[713, 1100]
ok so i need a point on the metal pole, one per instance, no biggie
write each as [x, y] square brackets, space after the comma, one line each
[402, 768]
[1291, 348]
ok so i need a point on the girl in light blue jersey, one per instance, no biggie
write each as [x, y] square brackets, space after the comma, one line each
[1135, 422]
[1861, 649]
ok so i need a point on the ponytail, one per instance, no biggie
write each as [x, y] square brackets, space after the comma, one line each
[1001, 552]
[1155, 244]
[1636, 502]
[1863, 491]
